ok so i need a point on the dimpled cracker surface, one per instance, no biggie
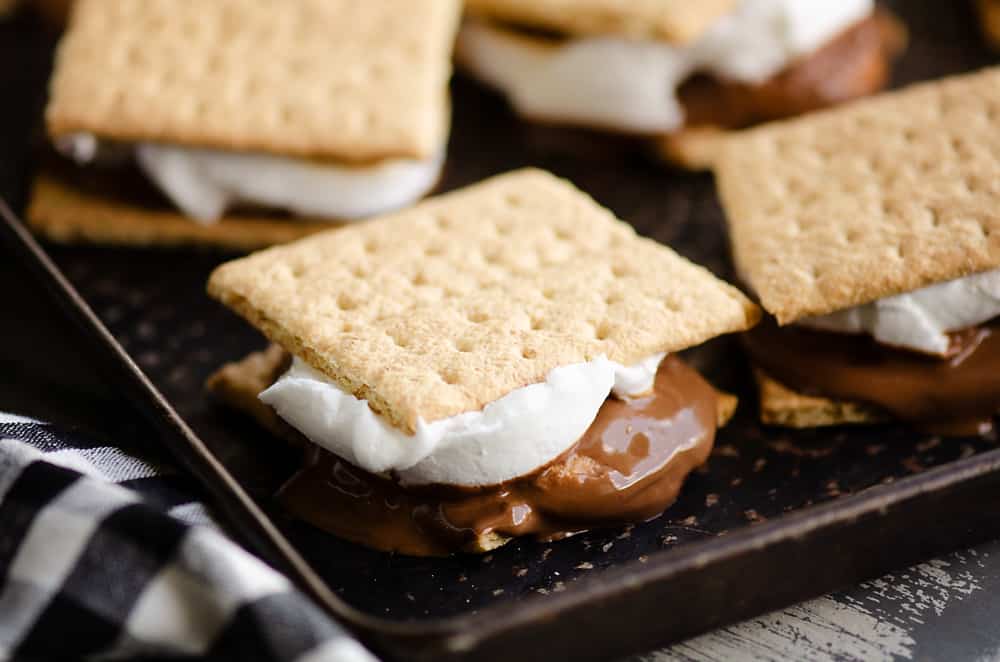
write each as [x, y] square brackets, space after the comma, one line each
[452, 304]
[675, 21]
[338, 79]
[67, 215]
[876, 198]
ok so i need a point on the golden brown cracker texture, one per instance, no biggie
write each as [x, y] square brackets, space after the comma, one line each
[65, 214]
[334, 79]
[781, 406]
[878, 197]
[452, 304]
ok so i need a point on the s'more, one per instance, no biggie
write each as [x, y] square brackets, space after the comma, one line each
[496, 362]
[679, 71]
[872, 234]
[243, 123]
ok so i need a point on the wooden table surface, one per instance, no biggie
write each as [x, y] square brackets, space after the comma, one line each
[945, 609]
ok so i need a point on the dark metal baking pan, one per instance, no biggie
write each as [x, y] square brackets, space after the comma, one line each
[776, 516]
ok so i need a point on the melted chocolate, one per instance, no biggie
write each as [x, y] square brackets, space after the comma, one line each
[54, 11]
[955, 395]
[857, 63]
[628, 467]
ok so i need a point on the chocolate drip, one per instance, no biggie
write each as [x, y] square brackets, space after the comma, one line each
[628, 467]
[955, 395]
[855, 64]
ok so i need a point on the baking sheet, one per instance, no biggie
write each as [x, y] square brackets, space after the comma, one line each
[153, 302]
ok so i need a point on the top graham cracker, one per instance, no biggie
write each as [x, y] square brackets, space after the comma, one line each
[327, 79]
[445, 307]
[873, 199]
[673, 21]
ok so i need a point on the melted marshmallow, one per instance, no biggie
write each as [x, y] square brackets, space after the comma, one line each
[204, 183]
[920, 320]
[510, 437]
[631, 85]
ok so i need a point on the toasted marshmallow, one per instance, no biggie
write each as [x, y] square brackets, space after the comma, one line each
[204, 183]
[921, 320]
[510, 437]
[631, 85]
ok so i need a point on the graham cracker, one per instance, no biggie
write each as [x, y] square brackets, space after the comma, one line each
[674, 21]
[989, 18]
[334, 79]
[238, 384]
[726, 405]
[447, 306]
[878, 197]
[781, 406]
[65, 214]
[692, 148]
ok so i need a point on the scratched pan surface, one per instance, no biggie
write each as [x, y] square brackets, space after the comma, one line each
[774, 517]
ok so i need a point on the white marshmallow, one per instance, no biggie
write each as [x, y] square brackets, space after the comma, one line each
[762, 37]
[632, 381]
[511, 437]
[600, 82]
[920, 320]
[204, 183]
[631, 85]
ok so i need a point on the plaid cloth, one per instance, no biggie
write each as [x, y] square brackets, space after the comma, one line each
[92, 569]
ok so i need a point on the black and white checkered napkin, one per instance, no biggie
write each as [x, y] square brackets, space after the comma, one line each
[103, 556]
